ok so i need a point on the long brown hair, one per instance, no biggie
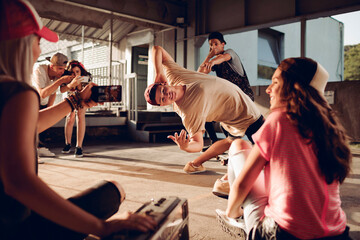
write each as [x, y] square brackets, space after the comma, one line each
[315, 119]
[74, 63]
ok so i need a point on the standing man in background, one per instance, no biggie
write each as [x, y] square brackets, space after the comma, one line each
[227, 65]
[46, 78]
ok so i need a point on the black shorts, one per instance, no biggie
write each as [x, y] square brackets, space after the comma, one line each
[249, 131]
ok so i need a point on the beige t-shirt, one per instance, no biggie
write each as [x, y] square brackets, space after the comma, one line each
[209, 98]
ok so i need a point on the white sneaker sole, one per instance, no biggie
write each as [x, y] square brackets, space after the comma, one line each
[234, 231]
[195, 172]
[46, 156]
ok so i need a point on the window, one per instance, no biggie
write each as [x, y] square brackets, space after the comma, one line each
[270, 52]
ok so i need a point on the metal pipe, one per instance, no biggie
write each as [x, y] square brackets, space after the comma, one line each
[185, 47]
[82, 43]
[110, 55]
[303, 37]
[136, 98]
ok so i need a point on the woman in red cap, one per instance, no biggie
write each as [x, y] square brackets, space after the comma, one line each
[29, 208]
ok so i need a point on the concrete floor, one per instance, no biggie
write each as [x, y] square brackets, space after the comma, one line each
[154, 170]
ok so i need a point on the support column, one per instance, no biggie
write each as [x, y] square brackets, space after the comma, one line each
[303, 38]
[110, 50]
[82, 43]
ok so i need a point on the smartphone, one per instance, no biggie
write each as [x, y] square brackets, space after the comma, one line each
[110, 93]
[85, 79]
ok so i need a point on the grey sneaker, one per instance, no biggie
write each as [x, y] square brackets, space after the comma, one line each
[45, 152]
[234, 227]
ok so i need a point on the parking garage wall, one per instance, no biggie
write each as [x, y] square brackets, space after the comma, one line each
[343, 98]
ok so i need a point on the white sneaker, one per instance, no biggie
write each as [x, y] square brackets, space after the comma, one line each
[232, 226]
[44, 152]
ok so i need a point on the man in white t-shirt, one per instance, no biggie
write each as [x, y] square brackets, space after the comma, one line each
[200, 98]
[46, 78]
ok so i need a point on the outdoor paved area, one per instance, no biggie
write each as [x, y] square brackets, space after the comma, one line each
[154, 170]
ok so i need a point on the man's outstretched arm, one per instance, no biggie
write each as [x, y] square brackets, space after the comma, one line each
[189, 144]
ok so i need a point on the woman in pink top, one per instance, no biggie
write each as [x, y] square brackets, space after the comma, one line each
[288, 187]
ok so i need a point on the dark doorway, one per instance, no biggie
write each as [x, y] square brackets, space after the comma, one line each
[139, 65]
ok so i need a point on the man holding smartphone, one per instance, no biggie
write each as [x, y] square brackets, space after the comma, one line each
[46, 78]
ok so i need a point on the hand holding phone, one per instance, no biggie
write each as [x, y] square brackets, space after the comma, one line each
[74, 82]
[111, 93]
[85, 79]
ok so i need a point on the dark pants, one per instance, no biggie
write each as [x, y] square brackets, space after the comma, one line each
[249, 132]
[209, 127]
[252, 129]
[101, 200]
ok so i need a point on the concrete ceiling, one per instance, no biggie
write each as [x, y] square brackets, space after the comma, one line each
[66, 17]
[244, 15]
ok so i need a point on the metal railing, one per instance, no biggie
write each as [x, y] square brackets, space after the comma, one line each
[101, 77]
[130, 88]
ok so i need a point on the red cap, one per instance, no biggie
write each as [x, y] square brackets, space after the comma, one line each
[20, 19]
[150, 93]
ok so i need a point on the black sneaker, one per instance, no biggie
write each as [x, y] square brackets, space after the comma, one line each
[78, 152]
[66, 149]
[205, 148]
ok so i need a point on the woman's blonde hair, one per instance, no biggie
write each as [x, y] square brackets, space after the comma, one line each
[16, 59]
